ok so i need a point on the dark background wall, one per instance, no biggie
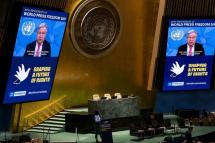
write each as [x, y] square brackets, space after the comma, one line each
[5, 110]
[168, 102]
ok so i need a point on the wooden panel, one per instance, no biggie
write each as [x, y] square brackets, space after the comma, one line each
[153, 65]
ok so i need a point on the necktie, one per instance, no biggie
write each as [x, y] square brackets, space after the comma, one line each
[190, 51]
[37, 54]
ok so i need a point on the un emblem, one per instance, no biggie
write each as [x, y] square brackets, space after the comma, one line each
[177, 34]
[28, 28]
[97, 27]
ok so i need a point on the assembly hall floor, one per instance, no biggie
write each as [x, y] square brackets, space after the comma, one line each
[118, 137]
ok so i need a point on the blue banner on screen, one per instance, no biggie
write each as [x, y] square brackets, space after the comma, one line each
[189, 54]
[35, 57]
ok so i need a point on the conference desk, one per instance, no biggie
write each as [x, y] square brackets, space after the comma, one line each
[115, 108]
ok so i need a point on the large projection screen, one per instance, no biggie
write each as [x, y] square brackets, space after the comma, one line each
[189, 54]
[35, 56]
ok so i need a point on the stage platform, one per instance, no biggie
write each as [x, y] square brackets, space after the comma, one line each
[118, 136]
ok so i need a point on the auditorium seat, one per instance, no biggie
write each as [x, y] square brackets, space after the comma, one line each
[169, 128]
[181, 122]
[96, 97]
[107, 95]
[138, 129]
[134, 127]
[118, 95]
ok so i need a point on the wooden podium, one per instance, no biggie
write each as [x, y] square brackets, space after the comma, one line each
[106, 132]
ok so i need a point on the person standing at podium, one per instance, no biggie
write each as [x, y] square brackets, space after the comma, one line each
[97, 119]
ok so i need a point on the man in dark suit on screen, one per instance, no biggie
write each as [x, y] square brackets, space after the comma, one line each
[191, 48]
[40, 47]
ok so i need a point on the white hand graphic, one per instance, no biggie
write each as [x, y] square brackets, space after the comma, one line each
[21, 74]
[176, 69]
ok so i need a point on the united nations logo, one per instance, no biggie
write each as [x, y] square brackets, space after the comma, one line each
[177, 34]
[28, 28]
[97, 27]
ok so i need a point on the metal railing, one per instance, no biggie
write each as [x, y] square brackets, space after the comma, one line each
[45, 112]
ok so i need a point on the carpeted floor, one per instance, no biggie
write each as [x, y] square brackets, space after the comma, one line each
[118, 137]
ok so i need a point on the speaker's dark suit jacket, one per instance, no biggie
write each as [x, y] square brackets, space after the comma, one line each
[46, 49]
[199, 50]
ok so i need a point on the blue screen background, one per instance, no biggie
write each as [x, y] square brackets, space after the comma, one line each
[199, 97]
[206, 37]
[37, 85]
[177, 33]
[54, 36]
